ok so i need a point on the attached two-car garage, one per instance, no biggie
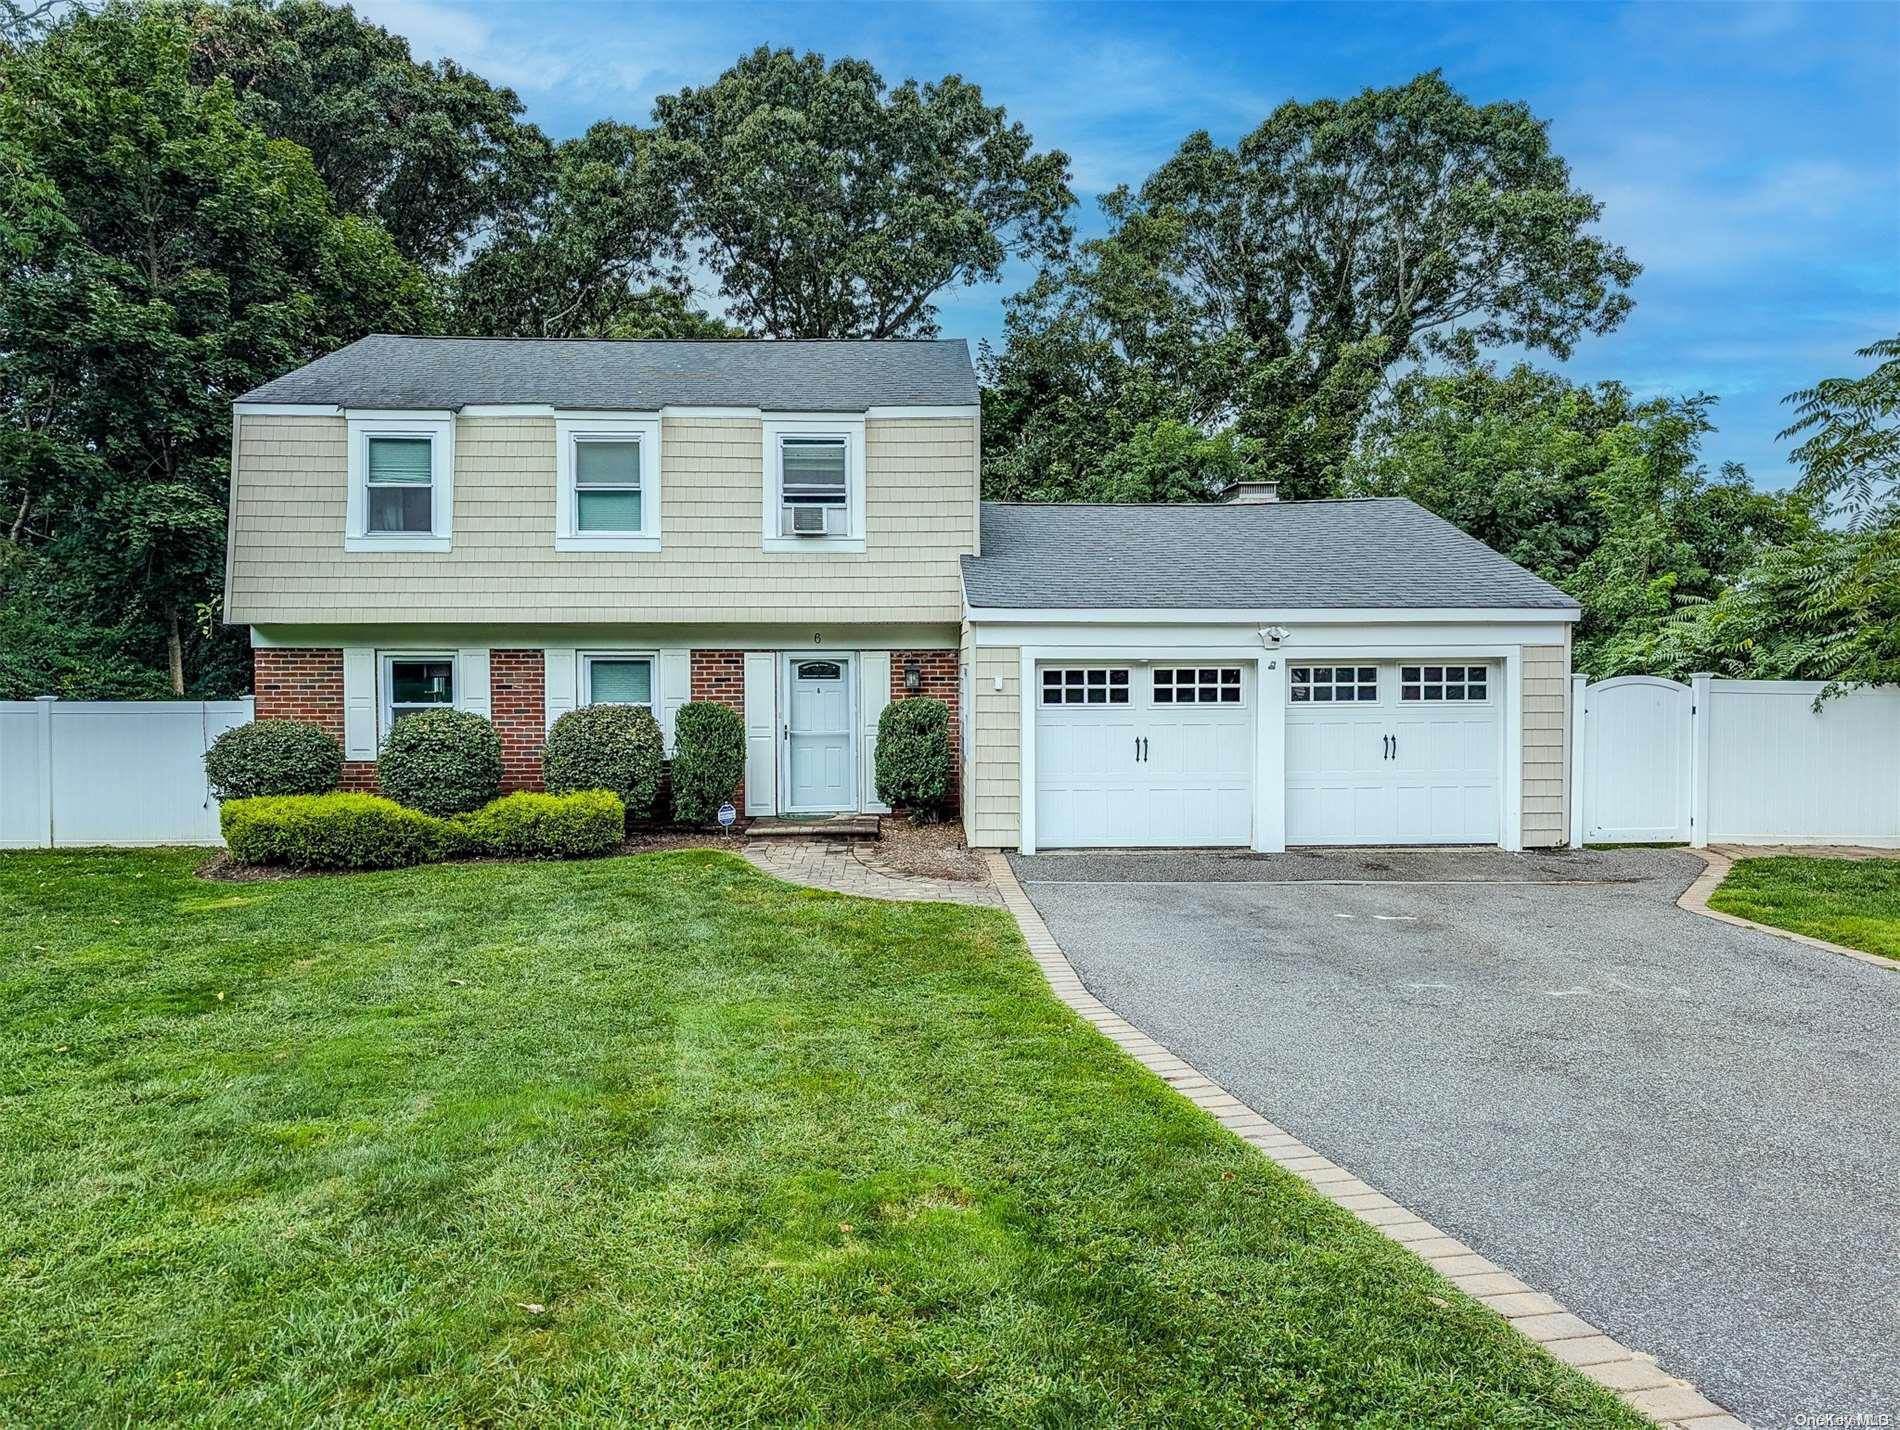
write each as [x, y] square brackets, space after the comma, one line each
[1259, 675]
[1158, 753]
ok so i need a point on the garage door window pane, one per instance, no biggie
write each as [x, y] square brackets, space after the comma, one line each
[1462, 683]
[1326, 684]
[1082, 686]
[1201, 685]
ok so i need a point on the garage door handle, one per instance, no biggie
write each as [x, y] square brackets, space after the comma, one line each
[1144, 749]
[1385, 744]
[1395, 747]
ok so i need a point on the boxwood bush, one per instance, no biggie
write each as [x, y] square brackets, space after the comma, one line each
[441, 762]
[611, 747]
[364, 831]
[708, 759]
[331, 831]
[913, 756]
[545, 826]
[272, 757]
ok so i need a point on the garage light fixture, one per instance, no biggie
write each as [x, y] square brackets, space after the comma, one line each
[913, 676]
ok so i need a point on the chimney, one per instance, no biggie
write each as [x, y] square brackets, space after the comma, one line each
[1246, 493]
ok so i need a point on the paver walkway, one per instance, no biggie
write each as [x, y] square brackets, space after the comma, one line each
[854, 868]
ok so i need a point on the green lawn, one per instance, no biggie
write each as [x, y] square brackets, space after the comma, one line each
[1850, 901]
[646, 1139]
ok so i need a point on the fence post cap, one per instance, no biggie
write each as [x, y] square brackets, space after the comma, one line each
[46, 697]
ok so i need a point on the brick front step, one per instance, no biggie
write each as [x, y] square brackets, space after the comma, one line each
[835, 826]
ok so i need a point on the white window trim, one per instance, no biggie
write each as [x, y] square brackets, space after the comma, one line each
[386, 685]
[776, 427]
[439, 429]
[567, 534]
[584, 677]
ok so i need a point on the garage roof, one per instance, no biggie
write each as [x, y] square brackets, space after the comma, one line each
[779, 376]
[1378, 552]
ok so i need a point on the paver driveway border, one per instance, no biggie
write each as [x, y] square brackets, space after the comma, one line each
[1695, 898]
[1632, 1375]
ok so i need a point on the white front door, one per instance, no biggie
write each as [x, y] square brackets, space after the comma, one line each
[819, 766]
[1136, 754]
[1393, 752]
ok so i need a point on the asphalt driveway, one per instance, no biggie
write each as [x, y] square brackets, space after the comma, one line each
[1687, 1132]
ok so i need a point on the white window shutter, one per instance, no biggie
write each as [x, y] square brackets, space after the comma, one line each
[359, 703]
[761, 732]
[557, 682]
[471, 680]
[675, 689]
[873, 695]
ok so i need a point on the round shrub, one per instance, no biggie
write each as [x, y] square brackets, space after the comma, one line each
[272, 757]
[708, 759]
[613, 747]
[913, 756]
[441, 762]
[545, 826]
[331, 831]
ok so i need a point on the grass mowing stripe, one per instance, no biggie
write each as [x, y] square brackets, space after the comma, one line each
[647, 1139]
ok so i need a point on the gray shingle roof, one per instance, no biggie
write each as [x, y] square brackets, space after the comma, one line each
[386, 371]
[1383, 552]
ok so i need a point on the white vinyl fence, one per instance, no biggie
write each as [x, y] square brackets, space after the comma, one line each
[109, 771]
[1734, 762]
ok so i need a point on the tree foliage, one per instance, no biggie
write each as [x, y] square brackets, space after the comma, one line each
[438, 156]
[1851, 452]
[829, 207]
[158, 256]
[1271, 286]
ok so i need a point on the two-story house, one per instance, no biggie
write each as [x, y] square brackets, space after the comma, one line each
[518, 527]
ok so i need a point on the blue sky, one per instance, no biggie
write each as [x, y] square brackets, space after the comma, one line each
[1747, 155]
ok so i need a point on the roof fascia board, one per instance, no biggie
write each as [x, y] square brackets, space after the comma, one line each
[1320, 615]
[287, 409]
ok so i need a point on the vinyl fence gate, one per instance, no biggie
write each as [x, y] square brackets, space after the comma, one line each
[127, 772]
[1734, 762]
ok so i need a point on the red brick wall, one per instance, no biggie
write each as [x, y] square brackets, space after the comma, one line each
[937, 678]
[719, 676]
[307, 685]
[518, 704]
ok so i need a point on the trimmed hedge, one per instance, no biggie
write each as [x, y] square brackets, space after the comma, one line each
[610, 747]
[364, 831]
[913, 756]
[546, 826]
[331, 831]
[441, 762]
[708, 759]
[273, 757]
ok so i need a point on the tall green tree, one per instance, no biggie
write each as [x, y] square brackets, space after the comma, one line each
[1850, 455]
[158, 257]
[437, 155]
[595, 255]
[1272, 286]
[1602, 495]
[831, 207]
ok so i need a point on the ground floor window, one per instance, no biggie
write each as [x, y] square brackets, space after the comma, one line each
[413, 683]
[617, 680]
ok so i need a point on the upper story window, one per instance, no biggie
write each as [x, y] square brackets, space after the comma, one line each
[401, 475]
[814, 484]
[607, 475]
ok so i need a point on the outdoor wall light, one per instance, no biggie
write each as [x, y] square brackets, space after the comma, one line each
[913, 676]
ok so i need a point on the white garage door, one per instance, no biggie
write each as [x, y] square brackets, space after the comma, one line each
[1144, 754]
[1393, 752]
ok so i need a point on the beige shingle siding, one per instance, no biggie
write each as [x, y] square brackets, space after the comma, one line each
[996, 749]
[1546, 721]
[288, 563]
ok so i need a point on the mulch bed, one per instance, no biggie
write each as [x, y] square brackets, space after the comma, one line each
[929, 851]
